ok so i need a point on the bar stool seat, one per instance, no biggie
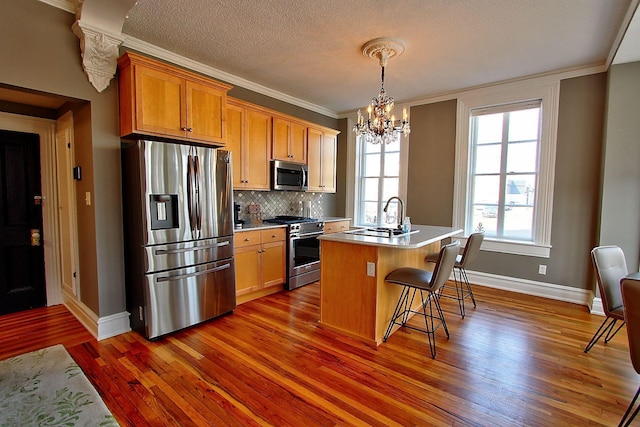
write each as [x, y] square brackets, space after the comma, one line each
[463, 260]
[418, 280]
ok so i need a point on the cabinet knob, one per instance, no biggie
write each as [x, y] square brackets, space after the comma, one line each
[189, 129]
[183, 128]
[247, 239]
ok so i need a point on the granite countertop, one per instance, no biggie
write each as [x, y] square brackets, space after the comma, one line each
[421, 235]
[261, 225]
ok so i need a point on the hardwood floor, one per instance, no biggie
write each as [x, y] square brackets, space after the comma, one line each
[515, 360]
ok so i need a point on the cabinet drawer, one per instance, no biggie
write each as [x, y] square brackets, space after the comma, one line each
[246, 238]
[273, 235]
[336, 227]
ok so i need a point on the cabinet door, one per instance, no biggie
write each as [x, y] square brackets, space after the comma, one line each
[159, 105]
[281, 139]
[314, 144]
[206, 113]
[258, 149]
[328, 175]
[248, 269]
[273, 263]
[235, 134]
[298, 143]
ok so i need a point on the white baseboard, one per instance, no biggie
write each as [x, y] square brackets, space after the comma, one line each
[530, 287]
[115, 324]
[100, 327]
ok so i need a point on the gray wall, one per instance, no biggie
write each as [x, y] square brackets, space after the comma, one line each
[576, 194]
[40, 52]
[621, 172]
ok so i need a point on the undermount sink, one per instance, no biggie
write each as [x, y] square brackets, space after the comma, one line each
[382, 232]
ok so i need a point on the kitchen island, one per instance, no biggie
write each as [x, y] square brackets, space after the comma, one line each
[355, 300]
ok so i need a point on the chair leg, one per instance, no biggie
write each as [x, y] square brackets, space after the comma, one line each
[463, 272]
[400, 310]
[610, 335]
[604, 328]
[626, 421]
[459, 292]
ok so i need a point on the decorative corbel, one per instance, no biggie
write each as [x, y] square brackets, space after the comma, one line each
[99, 54]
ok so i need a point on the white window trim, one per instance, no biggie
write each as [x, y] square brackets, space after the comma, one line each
[548, 91]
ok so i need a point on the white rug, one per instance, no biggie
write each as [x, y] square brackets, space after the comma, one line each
[47, 388]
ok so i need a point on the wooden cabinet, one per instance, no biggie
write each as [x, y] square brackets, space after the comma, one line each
[289, 140]
[260, 258]
[249, 140]
[322, 146]
[161, 100]
[336, 226]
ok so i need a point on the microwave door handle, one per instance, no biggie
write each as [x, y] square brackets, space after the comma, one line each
[304, 177]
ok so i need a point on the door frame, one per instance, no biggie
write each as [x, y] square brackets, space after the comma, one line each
[46, 129]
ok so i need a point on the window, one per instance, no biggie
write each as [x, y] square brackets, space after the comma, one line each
[378, 179]
[505, 161]
[503, 177]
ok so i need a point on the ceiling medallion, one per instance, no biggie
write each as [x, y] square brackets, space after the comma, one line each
[380, 125]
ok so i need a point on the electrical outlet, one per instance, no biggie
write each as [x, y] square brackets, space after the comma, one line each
[371, 269]
[542, 269]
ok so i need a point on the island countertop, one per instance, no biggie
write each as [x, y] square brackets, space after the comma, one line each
[421, 235]
[355, 299]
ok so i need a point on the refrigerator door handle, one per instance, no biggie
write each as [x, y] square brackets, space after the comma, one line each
[190, 191]
[195, 248]
[197, 273]
[196, 167]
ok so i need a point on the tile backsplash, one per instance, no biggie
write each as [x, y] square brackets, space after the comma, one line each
[273, 203]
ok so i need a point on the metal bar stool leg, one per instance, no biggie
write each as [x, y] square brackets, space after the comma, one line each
[400, 310]
[463, 272]
[601, 331]
[627, 421]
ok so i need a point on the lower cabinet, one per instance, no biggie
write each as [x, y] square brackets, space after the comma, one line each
[260, 259]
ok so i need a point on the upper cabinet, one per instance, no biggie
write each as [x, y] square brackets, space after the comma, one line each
[161, 100]
[289, 140]
[249, 140]
[322, 145]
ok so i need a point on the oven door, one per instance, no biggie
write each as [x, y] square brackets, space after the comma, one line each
[304, 260]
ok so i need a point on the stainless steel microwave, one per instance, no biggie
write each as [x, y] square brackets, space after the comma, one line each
[289, 176]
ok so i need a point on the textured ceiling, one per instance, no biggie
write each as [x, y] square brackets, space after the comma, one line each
[311, 50]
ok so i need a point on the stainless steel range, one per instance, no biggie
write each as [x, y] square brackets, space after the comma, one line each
[303, 251]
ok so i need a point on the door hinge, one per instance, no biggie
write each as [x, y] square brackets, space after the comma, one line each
[74, 274]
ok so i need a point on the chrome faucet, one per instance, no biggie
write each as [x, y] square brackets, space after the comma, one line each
[401, 222]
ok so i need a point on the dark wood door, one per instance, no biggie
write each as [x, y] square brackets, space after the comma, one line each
[22, 283]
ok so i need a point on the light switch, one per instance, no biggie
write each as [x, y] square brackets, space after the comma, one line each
[87, 198]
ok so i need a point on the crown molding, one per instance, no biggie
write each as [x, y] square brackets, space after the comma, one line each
[66, 5]
[160, 53]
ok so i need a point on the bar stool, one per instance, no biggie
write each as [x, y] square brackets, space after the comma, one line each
[462, 285]
[417, 279]
[630, 288]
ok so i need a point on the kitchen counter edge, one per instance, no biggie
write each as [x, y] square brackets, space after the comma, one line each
[426, 235]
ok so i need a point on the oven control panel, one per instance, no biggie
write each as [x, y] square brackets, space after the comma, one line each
[306, 228]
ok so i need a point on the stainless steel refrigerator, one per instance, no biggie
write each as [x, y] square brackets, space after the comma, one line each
[178, 222]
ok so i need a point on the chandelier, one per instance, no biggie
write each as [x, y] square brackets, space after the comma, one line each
[380, 124]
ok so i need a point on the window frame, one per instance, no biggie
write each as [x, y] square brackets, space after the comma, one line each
[511, 93]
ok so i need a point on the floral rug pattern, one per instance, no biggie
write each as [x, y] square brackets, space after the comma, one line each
[47, 388]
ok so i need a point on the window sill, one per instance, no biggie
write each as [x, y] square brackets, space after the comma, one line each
[513, 247]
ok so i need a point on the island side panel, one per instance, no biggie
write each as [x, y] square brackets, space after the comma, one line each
[347, 294]
[388, 294]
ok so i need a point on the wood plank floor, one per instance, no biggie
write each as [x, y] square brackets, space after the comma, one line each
[515, 360]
